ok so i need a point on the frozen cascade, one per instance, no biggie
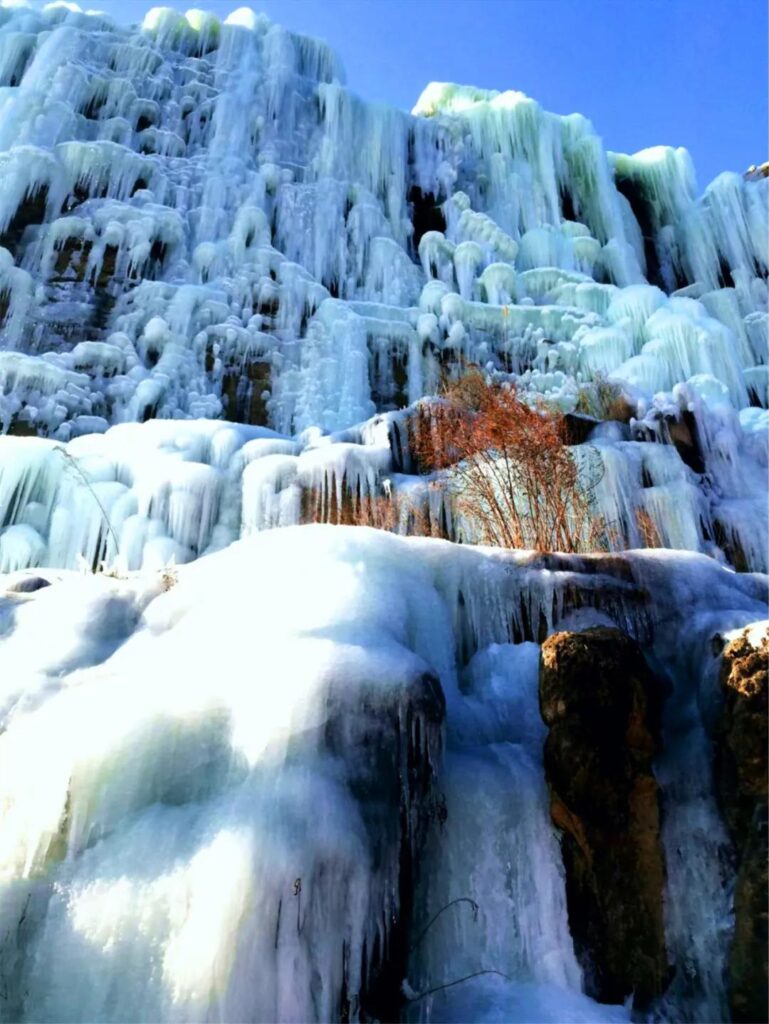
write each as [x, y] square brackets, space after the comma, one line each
[493, 773]
[220, 779]
[698, 905]
[226, 281]
[198, 221]
[194, 723]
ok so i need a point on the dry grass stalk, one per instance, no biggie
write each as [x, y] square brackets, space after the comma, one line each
[393, 512]
[648, 529]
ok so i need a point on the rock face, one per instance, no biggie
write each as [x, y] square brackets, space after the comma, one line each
[741, 771]
[602, 704]
[398, 736]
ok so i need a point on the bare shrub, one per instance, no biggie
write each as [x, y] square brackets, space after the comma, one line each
[604, 399]
[510, 472]
[396, 513]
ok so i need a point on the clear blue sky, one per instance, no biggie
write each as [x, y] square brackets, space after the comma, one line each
[680, 72]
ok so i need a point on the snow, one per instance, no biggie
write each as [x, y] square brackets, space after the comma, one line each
[493, 1000]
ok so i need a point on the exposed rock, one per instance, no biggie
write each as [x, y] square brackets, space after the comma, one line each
[741, 772]
[684, 435]
[427, 214]
[748, 982]
[27, 584]
[20, 427]
[602, 705]
[742, 760]
[243, 389]
[729, 542]
[578, 427]
[31, 210]
[755, 173]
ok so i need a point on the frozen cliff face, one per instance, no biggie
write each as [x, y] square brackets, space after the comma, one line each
[302, 778]
[224, 797]
[199, 221]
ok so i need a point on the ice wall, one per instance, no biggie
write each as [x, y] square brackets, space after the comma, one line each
[224, 797]
[192, 846]
[198, 220]
[224, 281]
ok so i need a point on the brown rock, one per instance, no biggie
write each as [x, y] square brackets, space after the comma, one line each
[31, 210]
[748, 980]
[741, 774]
[578, 427]
[685, 436]
[756, 173]
[602, 704]
[243, 387]
[742, 753]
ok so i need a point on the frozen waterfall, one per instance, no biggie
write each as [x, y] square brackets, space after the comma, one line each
[257, 769]
[225, 799]
[199, 221]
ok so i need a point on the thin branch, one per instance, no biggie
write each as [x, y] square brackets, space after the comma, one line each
[72, 461]
[450, 984]
[431, 922]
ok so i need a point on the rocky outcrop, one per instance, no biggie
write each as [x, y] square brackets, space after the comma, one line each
[602, 705]
[741, 774]
[756, 173]
[396, 736]
[578, 427]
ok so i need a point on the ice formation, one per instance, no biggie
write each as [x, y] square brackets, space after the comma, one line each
[225, 282]
[240, 754]
[199, 221]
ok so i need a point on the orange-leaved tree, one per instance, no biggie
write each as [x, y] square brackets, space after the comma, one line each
[513, 479]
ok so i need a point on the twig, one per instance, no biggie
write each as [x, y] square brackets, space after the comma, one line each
[431, 922]
[72, 461]
[298, 894]
[277, 923]
[450, 984]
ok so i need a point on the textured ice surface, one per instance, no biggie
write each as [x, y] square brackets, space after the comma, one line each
[199, 220]
[223, 279]
[185, 746]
